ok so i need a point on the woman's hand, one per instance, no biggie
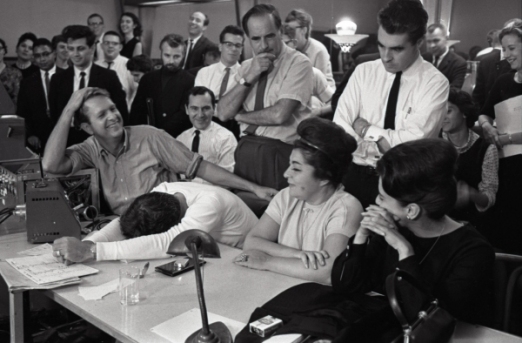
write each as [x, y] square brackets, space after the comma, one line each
[313, 258]
[491, 134]
[253, 259]
[381, 222]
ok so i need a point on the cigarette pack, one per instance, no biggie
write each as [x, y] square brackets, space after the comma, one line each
[265, 326]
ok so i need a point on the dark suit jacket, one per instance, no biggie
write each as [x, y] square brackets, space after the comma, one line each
[168, 102]
[196, 58]
[62, 88]
[32, 105]
[489, 69]
[452, 66]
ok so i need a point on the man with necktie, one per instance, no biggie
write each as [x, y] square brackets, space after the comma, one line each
[397, 99]
[33, 98]
[271, 97]
[212, 141]
[197, 42]
[221, 77]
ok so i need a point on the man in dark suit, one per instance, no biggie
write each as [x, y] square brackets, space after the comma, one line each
[168, 88]
[447, 62]
[80, 43]
[33, 103]
[197, 43]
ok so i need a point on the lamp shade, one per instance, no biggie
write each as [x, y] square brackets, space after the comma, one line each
[205, 243]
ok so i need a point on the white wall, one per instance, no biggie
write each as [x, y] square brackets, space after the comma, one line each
[47, 18]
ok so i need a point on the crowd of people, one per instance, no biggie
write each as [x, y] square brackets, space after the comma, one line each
[412, 172]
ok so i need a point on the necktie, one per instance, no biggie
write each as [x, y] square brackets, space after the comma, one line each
[391, 108]
[224, 83]
[96, 50]
[188, 53]
[109, 65]
[195, 141]
[47, 83]
[82, 80]
[259, 104]
[436, 62]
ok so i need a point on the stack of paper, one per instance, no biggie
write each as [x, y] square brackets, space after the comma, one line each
[45, 269]
[98, 292]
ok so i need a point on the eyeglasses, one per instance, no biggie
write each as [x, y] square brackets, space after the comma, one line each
[289, 28]
[96, 24]
[43, 54]
[111, 43]
[230, 45]
[291, 41]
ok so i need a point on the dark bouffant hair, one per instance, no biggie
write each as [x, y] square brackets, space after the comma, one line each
[465, 104]
[404, 16]
[26, 36]
[138, 30]
[149, 214]
[326, 147]
[141, 63]
[421, 172]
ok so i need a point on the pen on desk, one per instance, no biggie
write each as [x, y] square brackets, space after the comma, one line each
[144, 270]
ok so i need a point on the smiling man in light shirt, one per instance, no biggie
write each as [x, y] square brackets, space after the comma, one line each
[393, 100]
[112, 46]
[212, 141]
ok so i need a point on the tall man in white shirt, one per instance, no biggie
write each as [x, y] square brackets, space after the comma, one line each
[221, 77]
[112, 46]
[396, 99]
[212, 141]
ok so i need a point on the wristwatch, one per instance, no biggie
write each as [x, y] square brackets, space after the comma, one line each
[245, 83]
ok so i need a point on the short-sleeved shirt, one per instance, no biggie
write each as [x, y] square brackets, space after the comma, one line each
[320, 59]
[304, 226]
[217, 145]
[291, 78]
[148, 157]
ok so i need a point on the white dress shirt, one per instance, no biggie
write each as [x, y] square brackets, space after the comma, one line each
[77, 76]
[216, 144]
[211, 209]
[119, 65]
[421, 106]
[212, 77]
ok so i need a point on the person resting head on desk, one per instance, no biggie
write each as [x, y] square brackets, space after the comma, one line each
[152, 221]
[132, 160]
[311, 220]
[409, 229]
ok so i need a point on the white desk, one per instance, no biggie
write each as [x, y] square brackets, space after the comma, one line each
[230, 291]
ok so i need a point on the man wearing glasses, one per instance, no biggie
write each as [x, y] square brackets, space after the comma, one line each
[221, 77]
[95, 23]
[33, 103]
[114, 61]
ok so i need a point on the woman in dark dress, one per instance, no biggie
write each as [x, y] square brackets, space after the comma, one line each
[477, 171]
[24, 51]
[130, 28]
[503, 106]
[409, 229]
[9, 77]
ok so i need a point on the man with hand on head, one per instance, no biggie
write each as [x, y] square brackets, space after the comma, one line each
[152, 221]
[396, 99]
[271, 98]
[131, 160]
[168, 89]
[212, 141]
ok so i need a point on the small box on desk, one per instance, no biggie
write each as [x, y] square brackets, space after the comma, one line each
[265, 326]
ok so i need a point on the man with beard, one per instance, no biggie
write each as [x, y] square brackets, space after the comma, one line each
[167, 88]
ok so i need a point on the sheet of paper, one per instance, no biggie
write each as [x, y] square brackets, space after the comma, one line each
[508, 115]
[17, 282]
[38, 250]
[46, 269]
[288, 338]
[98, 292]
[177, 329]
